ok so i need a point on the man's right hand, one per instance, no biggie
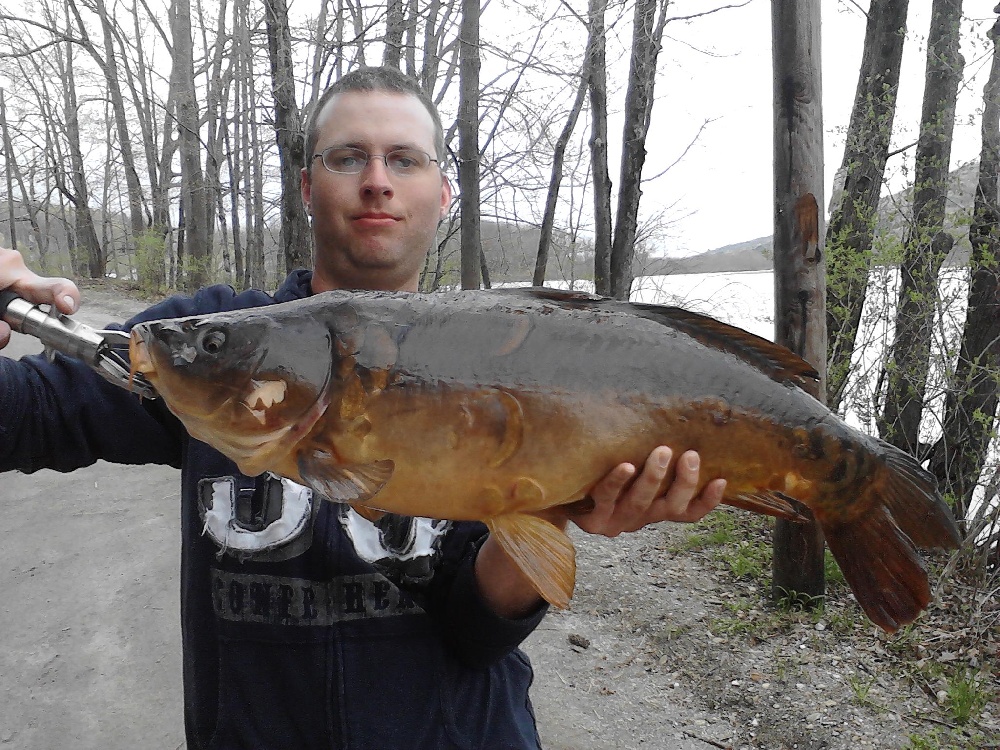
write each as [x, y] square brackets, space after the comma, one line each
[39, 290]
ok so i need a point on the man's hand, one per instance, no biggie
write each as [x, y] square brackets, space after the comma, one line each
[17, 277]
[621, 504]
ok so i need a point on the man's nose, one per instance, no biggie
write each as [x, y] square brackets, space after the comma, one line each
[375, 177]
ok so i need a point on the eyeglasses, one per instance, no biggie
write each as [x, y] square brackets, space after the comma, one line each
[402, 162]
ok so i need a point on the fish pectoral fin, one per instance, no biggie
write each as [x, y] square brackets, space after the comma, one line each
[369, 514]
[343, 483]
[770, 503]
[542, 551]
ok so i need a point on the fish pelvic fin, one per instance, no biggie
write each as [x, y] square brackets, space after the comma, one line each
[542, 551]
[770, 503]
[343, 483]
[877, 550]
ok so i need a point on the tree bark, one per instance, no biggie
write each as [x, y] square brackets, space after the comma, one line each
[468, 145]
[8, 151]
[555, 179]
[799, 282]
[109, 65]
[598, 90]
[196, 207]
[647, 31]
[79, 195]
[971, 405]
[854, 214]
[927, 242]
[296, 237]
[394, 23]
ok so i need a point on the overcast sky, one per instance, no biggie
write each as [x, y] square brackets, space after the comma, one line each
[725, 180]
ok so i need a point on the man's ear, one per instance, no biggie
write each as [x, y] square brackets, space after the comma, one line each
[305, 190]
[445, 196]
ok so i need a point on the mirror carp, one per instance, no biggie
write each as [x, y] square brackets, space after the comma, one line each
[507, 406]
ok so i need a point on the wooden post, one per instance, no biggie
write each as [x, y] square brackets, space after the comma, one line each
[799, 279]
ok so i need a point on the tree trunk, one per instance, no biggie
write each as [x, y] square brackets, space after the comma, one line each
[647, 30]
[970, 412]
[598, 89]
[8, 151]
[855, 213]
[558, 157]
[30, 205]
[296, 237]
[394, 23]
[468, 145]
[927, 243]
[109, 65]
[799, 283]
[216, 100]
[196, 207]
[432, 38]
[79, 195]
[254, 170]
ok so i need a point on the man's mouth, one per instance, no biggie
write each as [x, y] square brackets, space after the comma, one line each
[376, 218]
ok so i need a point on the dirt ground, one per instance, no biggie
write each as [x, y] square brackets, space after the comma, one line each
[662, 646]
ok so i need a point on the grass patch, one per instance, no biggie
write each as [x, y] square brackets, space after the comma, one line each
[966, 695]
[715, 530]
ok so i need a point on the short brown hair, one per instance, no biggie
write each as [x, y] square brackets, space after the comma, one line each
[373, 79]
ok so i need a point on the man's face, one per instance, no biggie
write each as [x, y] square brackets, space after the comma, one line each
[372, 230]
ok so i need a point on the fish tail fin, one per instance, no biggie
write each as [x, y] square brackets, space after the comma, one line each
[912, 497]
[882, 568]
[877, 550]
[542, 550]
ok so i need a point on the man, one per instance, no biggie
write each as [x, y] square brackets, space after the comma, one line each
[304, 625]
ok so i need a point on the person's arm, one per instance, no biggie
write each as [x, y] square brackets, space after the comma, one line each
[620, 504]
[62, 415]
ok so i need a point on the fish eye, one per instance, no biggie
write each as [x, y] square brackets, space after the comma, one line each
[213, 341]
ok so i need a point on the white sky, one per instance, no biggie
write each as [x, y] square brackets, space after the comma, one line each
[725, 181]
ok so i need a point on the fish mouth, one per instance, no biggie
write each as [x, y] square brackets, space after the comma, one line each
[140, 360]
[142, 342]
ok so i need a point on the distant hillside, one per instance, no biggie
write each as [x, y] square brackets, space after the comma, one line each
[895, 212]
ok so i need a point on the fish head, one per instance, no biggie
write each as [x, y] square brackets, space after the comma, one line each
[247, 382]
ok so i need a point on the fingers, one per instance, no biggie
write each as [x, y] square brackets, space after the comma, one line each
[620, 506]
[605, 495]
[40, 290]
[36, 289]
[702, 504]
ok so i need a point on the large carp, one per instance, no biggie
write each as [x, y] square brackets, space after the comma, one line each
[508, 406]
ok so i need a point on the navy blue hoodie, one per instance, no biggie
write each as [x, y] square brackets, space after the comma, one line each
[303, 626]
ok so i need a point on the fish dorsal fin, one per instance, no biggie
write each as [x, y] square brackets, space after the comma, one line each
[342, 483]
[542, 551]
[779, 363]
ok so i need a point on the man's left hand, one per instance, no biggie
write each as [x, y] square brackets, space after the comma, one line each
[622, 503]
